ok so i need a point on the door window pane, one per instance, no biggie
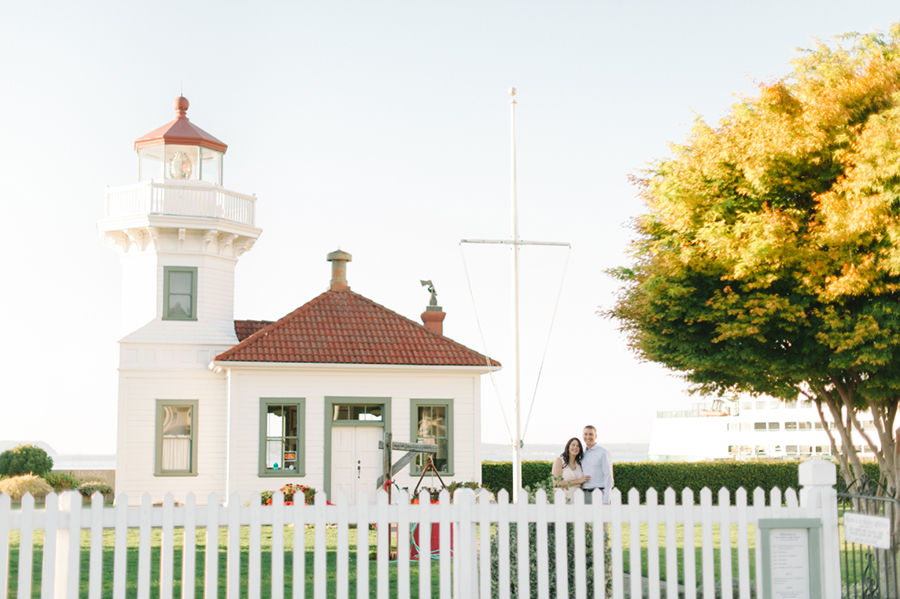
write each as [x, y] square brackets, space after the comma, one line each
[372, 413]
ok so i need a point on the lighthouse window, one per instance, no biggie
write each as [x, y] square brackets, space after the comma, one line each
[179, 293]
[182, 163]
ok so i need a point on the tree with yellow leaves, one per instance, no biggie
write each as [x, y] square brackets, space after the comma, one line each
[768, 258]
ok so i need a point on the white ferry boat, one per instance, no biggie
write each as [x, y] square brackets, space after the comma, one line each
[746, 429]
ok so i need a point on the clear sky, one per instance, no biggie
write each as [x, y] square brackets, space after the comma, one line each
[381, 128]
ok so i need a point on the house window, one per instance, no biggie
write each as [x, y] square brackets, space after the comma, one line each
[371, 413]
[176, 437]
[431, 422]
[282, 427]
[180, 293]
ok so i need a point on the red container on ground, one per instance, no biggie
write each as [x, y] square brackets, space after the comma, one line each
[416, 549]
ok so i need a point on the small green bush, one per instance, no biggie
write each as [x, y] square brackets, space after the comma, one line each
[62, 481]
[25, 459]
[498, 475]
[95, 486]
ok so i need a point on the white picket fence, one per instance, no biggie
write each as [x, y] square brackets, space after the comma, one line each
[463, 572]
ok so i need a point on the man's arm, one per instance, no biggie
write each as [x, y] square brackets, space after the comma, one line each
[606, 467]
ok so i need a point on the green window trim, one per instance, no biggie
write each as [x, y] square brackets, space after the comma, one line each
[168, 271]
[161, 405]
[414, 404]
[300, 404]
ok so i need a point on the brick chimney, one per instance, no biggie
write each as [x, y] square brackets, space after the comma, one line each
[433, 316]
[339, 262]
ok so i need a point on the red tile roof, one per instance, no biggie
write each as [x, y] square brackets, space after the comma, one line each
[245, 328]
[342, 327]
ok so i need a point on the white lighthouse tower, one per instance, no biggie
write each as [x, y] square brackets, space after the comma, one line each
[180, 234]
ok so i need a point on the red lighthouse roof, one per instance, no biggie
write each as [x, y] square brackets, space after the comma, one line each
[180, 132]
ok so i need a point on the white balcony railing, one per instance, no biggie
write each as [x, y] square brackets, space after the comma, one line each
[180, 199]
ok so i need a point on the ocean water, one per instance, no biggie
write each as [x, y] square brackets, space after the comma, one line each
[621, 452]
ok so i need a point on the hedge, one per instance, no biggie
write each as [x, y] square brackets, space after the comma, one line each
[678, 475]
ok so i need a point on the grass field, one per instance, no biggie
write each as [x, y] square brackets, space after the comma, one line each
[131, 586]
[331, 560]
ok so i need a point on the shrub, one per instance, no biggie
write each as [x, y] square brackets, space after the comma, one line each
[17, 486]
[62, 481]
[498, 475]
[95, 486]
[678, 475]
[25, 459]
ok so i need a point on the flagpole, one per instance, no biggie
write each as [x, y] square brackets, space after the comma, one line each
[517, 442]
[515, 242]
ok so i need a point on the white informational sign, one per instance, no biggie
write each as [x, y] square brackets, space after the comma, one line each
[789, 563]
[867, 530]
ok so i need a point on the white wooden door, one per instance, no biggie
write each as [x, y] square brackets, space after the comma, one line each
[356, 461]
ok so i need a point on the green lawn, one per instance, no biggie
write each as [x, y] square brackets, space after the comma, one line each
[133, 534]
[331, 560]
[679, 541]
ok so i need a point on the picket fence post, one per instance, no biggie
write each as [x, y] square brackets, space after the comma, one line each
[817, 480]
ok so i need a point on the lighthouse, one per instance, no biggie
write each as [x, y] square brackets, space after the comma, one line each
[179, 233]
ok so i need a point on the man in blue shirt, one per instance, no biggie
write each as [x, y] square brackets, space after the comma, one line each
[596, 463]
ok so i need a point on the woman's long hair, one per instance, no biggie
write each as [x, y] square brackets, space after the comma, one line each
[565, 453]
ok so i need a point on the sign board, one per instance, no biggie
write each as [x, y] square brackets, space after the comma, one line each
[873, 531]
[791, 567]
[290, 456]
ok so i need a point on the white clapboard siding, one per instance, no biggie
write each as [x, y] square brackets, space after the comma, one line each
[478, 527]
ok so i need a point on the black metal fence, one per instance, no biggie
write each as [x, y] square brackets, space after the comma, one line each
[867, 571]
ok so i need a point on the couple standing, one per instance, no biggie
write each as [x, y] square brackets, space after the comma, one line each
[588, 468]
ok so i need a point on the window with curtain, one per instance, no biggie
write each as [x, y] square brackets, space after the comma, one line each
[176, 437]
